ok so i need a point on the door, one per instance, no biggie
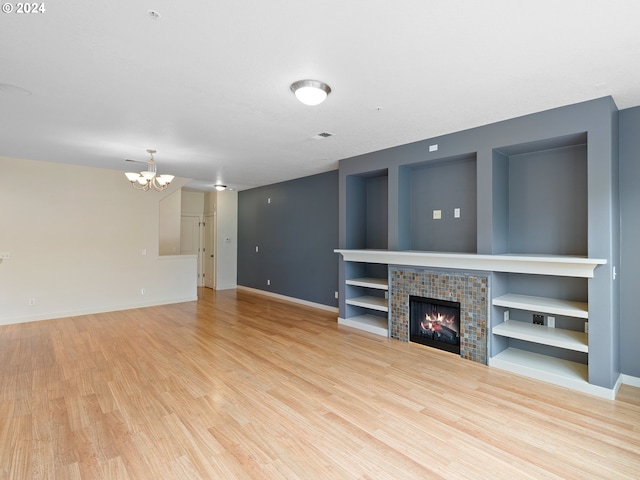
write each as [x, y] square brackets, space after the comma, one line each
[191, 239]
[209, 251]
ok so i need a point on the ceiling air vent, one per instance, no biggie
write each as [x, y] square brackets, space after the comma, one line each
[322, 135]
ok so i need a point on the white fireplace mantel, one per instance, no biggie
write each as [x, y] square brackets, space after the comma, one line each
[567, 266]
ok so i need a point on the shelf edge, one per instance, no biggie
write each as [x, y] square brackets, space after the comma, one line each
[566, 266]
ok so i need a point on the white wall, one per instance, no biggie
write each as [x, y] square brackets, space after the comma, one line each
[227, 240]
[169, 227]
[192, 203]
[75, 236]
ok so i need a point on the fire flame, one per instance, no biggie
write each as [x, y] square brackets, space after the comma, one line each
[435, 324]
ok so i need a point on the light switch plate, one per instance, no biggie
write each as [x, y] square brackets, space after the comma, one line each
[437, 214]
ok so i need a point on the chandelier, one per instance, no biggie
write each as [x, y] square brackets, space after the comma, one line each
[147, 179]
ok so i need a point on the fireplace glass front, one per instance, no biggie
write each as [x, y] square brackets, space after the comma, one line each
[435, 323]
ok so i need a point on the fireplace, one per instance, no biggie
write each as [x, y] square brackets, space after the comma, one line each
[470, 290]
[435, 323]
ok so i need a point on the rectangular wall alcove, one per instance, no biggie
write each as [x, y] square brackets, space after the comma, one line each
[447, 186]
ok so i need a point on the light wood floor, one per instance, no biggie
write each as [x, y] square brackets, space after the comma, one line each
[240, 385]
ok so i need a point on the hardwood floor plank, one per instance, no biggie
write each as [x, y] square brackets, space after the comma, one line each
[240, 385]
[114, 468]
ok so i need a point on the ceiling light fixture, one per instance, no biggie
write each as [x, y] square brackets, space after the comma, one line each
[220, 187]
[310, 92]
[147, 179]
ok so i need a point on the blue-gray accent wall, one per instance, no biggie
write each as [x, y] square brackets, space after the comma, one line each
[630, 241]
[294, 224]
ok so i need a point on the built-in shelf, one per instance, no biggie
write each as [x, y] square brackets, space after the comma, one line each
[555, 337]
[568, 266]
[543, 305]
[542, 367]
[542, 236]
[549, 369]
[368, 323]
[367, 301]
[368, 282]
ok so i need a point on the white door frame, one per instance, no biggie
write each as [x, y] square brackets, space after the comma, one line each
[200, 245]
[209, 245]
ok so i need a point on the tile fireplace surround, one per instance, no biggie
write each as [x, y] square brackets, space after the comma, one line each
[471, 290]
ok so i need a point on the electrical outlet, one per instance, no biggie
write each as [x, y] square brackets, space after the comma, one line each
[268, 282]
[538, 319]
[505, 316]
[5, 255]
[437, 214]
[32, 302]
[551, 322]
[336, 294]
[456, 213]
[142, 291]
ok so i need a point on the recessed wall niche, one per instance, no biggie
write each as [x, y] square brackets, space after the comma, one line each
[540, 197]
[446, 186]
[367, 210]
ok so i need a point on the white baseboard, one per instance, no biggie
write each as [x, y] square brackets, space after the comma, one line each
[617, 386]
[91, 311]
[631, 381]
[290, 299]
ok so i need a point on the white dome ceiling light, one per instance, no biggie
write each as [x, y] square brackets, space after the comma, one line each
[311, 92]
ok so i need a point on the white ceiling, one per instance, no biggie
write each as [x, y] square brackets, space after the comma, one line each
[207, 84]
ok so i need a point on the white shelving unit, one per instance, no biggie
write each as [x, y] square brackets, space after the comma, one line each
[543, 305]
[379, 283]
[372, 303]
[555, 337]
[544, 367]
[368, 322]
